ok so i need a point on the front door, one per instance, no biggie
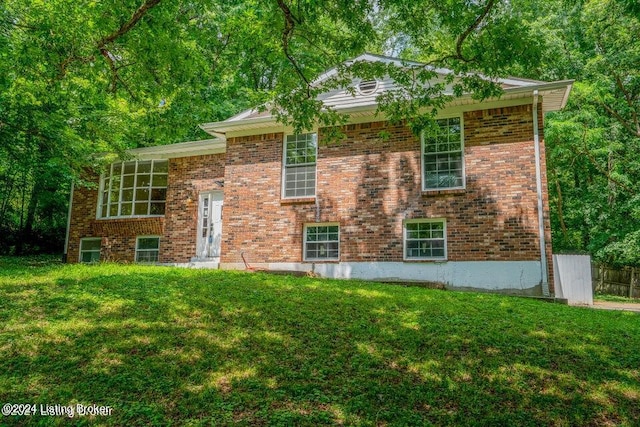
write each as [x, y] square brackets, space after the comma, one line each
[209, 225]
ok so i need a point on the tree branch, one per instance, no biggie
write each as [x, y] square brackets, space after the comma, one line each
[622, 120]
[463, 37]
[127, 26]
[595, 164]
[287, 33]
[629, 99]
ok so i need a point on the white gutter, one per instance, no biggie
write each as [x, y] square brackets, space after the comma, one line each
[66, 238]
[220, 129]
[543, 249]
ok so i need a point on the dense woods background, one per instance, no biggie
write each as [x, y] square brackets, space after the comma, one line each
[79, 79]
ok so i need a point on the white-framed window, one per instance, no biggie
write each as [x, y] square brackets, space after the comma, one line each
[425, 239]
[443, 155]
[137, 188]
[322, 242]
[90, 249]
[147, 248]
[299, 174]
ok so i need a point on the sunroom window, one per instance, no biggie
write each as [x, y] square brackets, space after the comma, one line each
[137, 188]
[442, 155]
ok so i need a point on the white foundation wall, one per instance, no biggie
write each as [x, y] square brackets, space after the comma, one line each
[522, 277]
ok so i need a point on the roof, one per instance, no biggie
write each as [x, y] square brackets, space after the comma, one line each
[554, 97]
[182, 149]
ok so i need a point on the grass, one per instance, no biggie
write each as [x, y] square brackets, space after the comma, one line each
[167, 346]
[615, 298]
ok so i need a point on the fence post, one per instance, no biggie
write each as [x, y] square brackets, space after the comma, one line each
[632, 281]
[601, 268]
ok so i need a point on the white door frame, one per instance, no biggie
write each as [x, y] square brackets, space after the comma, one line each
[209, 226]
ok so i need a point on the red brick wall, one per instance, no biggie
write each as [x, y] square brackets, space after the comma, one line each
[369, 185]
[83, 213]
[187, 177]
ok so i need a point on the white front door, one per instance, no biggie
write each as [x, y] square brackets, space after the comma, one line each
[209, 225]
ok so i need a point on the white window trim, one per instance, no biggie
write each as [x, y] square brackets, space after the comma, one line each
[304, 241]
[283, 188]
[101, 193]
[146, 250]
[423, 220]
[80, 251]
[422, 154]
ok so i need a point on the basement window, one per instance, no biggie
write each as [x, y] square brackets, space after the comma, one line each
[90, 249]
[322, 242]
[134, 189]
[147, 249]
[425, 239]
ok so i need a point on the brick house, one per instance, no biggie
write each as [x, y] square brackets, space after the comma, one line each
[464, 204]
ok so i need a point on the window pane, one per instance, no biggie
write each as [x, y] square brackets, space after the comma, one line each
[160, 166]
[127, 195]
[129, 168]
[90, 244]
[141, 209]
[158, 194]
[143, 194]
[157, 208]
[159, 180]
[143, 181]
[144, 167]
[113, 209]
[126, 208]
[90, 256]
[127, 181]
[148, 242]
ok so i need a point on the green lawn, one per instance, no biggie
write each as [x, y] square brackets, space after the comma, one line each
[168, 346]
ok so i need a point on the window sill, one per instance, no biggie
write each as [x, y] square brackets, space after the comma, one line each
[321, 261]
[120, 218]
[298, 201]
[451, 191]
[432, 260]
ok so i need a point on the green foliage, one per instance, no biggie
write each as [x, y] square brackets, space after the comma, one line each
[166, 346]
[593, 144]
[78, 79]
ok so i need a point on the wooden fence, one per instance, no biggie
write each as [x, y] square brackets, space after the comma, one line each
[624, 282]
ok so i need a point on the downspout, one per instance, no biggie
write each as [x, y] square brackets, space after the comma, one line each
[66, 238]
[543, 247]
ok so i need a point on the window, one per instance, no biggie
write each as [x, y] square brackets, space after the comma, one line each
[147, 249]
[300, 165]
[425, 239]
[442, 155]
[136, 188]
[90, 249]
[321, 242]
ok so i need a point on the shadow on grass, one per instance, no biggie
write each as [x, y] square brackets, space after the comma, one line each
[167, 346]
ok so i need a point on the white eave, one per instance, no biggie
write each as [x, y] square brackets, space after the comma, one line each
[183, 149]
[554, 97]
